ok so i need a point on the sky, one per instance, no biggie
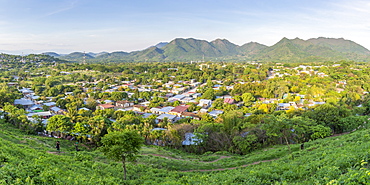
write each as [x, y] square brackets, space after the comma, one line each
[65, 26]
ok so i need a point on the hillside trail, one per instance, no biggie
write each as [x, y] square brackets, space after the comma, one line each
[344, 133]
[222, 169]
[218, 169]
[163, 156]
[56, 153]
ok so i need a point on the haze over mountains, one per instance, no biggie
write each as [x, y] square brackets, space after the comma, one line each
[293, 50]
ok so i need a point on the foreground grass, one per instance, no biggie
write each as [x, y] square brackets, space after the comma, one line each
[31, 160]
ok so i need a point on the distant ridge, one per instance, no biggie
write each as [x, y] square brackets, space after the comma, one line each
[161, 45]
[186, 49]
[53, 54]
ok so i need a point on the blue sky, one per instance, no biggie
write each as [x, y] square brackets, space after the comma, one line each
[63, 26]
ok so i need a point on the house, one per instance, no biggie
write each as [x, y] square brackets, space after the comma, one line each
[165, 110]
[315, 103]
[57, 110]
[286, 106]
[247, 114]
[43, 115]
[179, 110]
[36, 107]
[191, 139]
[158, 129]
[145, 104]
[195, 84]
[188, 100]
[215, 113]
[283, 106]
[12, 84]
[205, 103]
[168, 95]
[196, 95]
[50, 104]
[24, 102]
[139, 108]
[104, 106]
[176, 98]
[147, 115]
[108, 101]
[26, 91]
[121, 110]
[170, 118]
[32, 97]
[83, 108]
[190, 115]
[202, 110]
[124, 104]
[178, 90]
[229, 100]
[155, 110]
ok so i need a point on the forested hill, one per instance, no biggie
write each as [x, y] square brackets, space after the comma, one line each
[49, 57]
[286, 50]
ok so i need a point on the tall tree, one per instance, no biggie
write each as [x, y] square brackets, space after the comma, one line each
[122, 146]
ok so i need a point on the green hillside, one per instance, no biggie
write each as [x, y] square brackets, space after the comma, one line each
[152, 53]
[340, 45]
[76, 56]
[286, 50]
[53, 54]
[117, 54]
[251, 48]
[27, 159]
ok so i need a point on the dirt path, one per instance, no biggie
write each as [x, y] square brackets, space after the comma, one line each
[219, 169]
[158, 155]
[222, 169]
[344, 133]
[54, 152]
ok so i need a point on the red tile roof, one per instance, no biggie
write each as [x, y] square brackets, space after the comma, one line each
[106, 106]
[180, 109]
[229, 100]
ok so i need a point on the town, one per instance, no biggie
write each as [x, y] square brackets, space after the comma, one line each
[170, 103]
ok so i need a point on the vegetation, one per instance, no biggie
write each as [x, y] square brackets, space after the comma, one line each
[27, 159]
[122, 146]
[246, 122]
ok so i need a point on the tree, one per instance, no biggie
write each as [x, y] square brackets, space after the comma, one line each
[99, 127]
[328, 115]
[72, 111]
[122, 146]
[209, 94]
[59, 123]
[279, 127]
[248, 98]
[117, 96]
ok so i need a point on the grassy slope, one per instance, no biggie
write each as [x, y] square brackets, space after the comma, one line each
[30, 160]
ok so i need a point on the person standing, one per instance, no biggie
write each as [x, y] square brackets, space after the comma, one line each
[76, 145]
[58, 146]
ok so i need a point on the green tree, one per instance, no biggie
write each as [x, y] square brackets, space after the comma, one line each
[59, 123]
[209, 94]
[99, 127]
[248, 98]
[279, 127]
[328, 115]
[122, 146]
[117, 96]
[82, 129]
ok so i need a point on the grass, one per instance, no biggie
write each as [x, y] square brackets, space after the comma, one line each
[341, 160]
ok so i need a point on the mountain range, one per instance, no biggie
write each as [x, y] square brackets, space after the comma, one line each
[292, 50]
